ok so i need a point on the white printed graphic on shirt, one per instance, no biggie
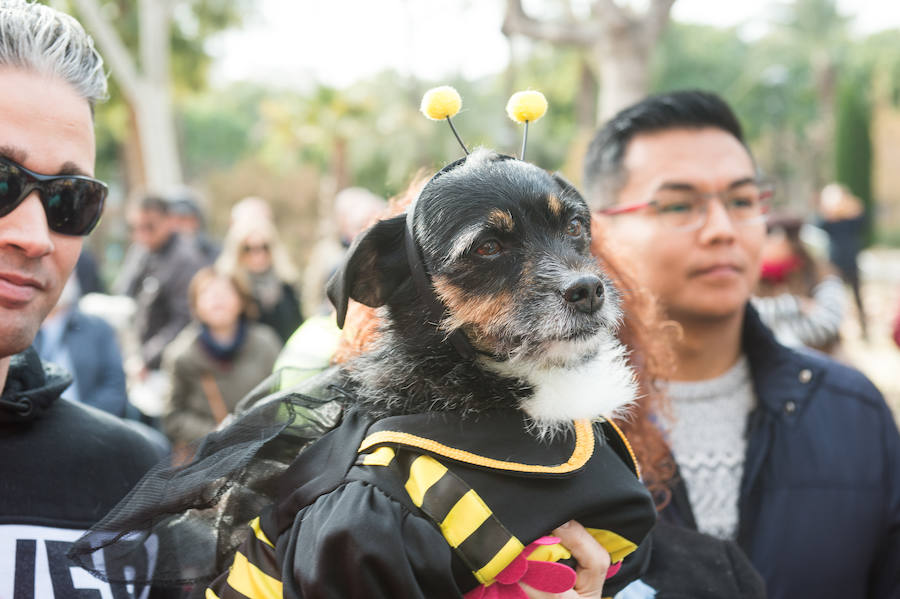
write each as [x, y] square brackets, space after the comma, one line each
[33, 565]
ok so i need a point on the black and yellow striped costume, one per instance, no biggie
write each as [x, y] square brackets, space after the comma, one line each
[430, 506]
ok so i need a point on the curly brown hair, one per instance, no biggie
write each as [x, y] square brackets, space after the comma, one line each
[643, 331]
[649, 339]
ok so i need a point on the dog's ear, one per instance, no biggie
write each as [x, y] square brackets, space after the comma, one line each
[568, 189]
[374, 266]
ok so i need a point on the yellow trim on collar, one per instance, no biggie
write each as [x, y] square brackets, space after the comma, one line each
[584, 448]
[637, 467]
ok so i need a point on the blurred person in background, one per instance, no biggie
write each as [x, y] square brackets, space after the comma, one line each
[217, 359]
[355, 208]
[65, 464]
[797, 297]
[160, 282]
[88, 272]
[254, 253]
[99, 379]
[251, 209]
[189, 220]
[896, 329]
[843, 217]
[790, 454]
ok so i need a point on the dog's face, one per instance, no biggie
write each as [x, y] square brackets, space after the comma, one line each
[507, 248]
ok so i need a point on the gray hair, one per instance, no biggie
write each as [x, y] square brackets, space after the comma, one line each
[42, 39]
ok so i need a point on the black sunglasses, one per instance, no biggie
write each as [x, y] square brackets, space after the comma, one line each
[73, 203]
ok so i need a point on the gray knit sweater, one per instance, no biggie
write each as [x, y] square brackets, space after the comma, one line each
[708, 440]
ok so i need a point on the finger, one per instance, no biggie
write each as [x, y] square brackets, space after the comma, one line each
[533, 593]
[593, 560]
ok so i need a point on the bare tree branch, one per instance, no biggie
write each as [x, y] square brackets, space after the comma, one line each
[657, 17]
[114, 51]
[570, 32]
[610, 14]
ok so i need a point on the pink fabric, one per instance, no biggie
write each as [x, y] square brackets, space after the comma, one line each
[613, 570]
[779, 270]
[543, 576]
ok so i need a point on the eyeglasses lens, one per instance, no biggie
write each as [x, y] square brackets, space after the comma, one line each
[687, 209]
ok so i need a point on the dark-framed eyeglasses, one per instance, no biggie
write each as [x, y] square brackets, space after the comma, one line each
[255, 248]
[73, 203]
[686, 209]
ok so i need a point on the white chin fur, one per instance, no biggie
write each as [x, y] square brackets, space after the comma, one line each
[601, 386]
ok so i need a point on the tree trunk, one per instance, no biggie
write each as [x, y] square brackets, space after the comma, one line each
[624, 73]
[156, 119]
[158, 142]
[146, 86]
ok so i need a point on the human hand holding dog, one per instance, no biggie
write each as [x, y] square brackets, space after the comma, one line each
[593, 563]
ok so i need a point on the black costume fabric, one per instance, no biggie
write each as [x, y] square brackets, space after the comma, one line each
[64, 466]
[361, 533]
[370, 536]
[197, 513]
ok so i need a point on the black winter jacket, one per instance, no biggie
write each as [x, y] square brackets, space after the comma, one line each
[820, 498]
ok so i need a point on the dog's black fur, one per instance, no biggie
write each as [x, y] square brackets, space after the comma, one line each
[507, 247]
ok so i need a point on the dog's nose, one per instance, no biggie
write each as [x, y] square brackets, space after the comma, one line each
[585, 294]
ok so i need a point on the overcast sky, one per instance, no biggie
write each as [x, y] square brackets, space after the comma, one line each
[296, 42]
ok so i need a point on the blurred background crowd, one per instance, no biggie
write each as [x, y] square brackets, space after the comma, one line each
[241, 167]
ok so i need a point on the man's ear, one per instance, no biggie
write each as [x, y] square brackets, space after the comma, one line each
[373, 268]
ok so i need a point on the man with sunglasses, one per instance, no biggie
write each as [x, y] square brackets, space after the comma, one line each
[795, 457]
[64, 465]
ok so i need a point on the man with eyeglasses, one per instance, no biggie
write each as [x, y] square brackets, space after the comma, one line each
[64, 464]
[793, 456]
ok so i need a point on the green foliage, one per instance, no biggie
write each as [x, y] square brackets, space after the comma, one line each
[853, 143]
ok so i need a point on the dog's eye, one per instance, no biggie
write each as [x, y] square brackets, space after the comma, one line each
[575, 228]
[489, 248]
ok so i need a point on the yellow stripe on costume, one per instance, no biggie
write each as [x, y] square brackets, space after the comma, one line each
[210, 594]
[550, 553]
[503, 558]
[259, 534]
[617, 546]
[423, 472]
[380, 457]
[464, 518]
[247, 579]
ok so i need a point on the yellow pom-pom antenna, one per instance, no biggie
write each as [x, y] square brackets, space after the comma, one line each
[526, 107]
[440, 103]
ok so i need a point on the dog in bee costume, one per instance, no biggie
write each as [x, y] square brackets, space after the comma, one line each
[473, 426]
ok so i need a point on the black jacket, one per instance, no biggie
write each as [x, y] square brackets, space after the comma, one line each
[64, 466]
[160, 289]
[819, 501]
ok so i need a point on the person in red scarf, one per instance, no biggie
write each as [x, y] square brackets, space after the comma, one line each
[798, 297]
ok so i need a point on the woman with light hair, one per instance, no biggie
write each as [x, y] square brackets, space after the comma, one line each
[253, 252]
